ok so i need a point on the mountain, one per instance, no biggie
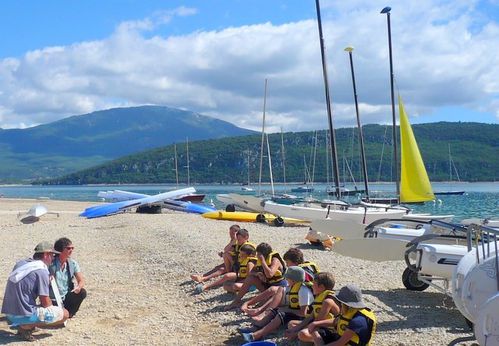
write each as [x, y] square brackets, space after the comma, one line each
[82, 141]
[475, 152]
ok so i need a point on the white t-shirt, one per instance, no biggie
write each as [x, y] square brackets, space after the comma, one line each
[305, 296]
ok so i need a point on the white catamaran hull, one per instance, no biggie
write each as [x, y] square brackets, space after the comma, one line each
[355, 214]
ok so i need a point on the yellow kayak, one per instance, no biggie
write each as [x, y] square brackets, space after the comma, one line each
[247, 216]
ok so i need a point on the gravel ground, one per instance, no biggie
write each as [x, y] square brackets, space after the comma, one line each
[137, 271]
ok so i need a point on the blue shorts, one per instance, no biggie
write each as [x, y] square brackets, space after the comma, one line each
[282, 283]
[15, 320]
[46, 315]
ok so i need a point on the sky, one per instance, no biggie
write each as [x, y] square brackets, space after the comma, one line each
[61, 58]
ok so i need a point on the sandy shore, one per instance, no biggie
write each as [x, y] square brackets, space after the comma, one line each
[137, 272]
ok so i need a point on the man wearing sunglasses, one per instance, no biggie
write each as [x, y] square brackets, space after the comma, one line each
[68, 276]
[28, 282]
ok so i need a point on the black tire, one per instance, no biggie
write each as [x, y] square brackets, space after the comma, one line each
[260, 218]
[153, 209]
[230, 208]
[411, 281]
[278, 221]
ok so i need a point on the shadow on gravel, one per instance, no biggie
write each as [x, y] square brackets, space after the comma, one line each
[186, 282]
[220, 299]
[412, 310]
[308, 246]
[234, 340]
[10, 336]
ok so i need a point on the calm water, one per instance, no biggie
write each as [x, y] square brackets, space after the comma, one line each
[480, 200]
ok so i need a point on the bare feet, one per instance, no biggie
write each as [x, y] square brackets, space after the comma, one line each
[197, 278]
[244, 307]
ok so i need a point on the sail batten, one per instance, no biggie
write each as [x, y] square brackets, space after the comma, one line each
[415, 185]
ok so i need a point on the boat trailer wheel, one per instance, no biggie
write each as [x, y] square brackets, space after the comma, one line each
[260, 218]
[278, 221]
[411, 281]
[230, 208]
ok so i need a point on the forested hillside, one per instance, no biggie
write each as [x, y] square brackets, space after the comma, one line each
[82, 141]
[474, 148]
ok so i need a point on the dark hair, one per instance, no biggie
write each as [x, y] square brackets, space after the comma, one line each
[61, 243]
[243, 232]
[38, 255]
[294, 255]
[235, 227]
[326, 279]
[264, 249]
[247, 249]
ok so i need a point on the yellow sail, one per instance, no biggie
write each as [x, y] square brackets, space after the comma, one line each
[414, 182]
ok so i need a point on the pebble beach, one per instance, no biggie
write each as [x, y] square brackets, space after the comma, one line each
[137, 269]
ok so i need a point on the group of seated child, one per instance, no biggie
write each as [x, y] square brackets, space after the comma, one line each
[293, 294]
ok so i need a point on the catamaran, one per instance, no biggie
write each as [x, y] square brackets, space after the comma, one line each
[335, 210]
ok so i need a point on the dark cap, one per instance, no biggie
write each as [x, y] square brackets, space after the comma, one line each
[351, 296]
[45, 246]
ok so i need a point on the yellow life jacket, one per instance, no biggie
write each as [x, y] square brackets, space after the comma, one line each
[236, 249]
[310, 269]
[345, 319]
[317, 304]
[243, 267]
[278, 274]
[293, 299]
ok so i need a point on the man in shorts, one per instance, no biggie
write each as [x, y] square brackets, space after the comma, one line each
[28, 281]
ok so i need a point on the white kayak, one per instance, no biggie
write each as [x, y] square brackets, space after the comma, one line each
[33, 214]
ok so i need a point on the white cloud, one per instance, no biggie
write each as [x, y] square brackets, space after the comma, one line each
[445, 54]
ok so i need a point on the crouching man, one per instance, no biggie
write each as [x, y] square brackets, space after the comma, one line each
[28, 281]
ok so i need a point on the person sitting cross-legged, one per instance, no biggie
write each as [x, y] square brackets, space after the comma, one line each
[297, 297]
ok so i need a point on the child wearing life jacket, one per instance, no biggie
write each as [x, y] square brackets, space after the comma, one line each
[324, 307]
[294, 257]
[356, 325]
[226, 254]
[297, 297]
[232, 281]
[267, 272]
[257, 306]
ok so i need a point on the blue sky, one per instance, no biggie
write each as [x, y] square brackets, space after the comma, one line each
[62, 58]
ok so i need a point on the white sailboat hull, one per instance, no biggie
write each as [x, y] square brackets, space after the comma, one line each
[250, 203]
[355, 214]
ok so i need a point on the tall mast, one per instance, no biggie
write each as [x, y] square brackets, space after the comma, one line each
[188, 170]
[334, 156]
[263, 139]
[361, 135]
[283, 158]
[395, 168]
[248, 166]
[270, 166]
[450, 165]
[176, 163]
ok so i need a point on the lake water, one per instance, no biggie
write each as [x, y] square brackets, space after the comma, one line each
[480, 199]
